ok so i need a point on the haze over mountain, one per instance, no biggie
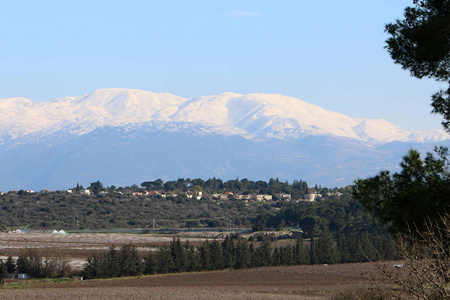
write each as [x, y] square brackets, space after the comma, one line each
[122, 136]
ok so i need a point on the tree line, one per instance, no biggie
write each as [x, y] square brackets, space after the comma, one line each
[274, 186]
[37, 263]
[237, 254]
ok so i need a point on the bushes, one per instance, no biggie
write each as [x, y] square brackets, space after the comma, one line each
[40, 263]
[426, 273]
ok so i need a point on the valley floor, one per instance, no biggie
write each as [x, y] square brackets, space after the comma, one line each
[297, 282]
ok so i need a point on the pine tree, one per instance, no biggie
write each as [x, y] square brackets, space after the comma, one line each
[264, 253]
[164, 261]
[10, 265]
[3, 269]
[276, 257]
[228, 252]
[215, 254]
[301, 253]
[287, 257]
[111, 263]
[205, 257]
[130, 262]
[242, 254]
[149, 264]
[178, 255]
[193, 262]
[326, 249]
[312, 250]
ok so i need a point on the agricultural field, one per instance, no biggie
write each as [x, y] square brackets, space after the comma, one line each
[293, 282]
[296, 282]
[77, 247]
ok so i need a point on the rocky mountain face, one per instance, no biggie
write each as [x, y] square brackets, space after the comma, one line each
[121, 137]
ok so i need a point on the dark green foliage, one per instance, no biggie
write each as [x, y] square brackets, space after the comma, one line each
[113, 263]
[40, 264]
[192, 258]
[338, 214]
[164, 261]
[215, 256]
[30, 262]
[301, 252]
[96, 187]
[228, 253]
[178, 253]
[263, 254]
[130, 262]
[408, 198]
[10, 265]
[153, 185]
[205, 258]
[420, 43]
[3, 269]
[313, 259]
[149, 264]
[325, 249]
[242, 259]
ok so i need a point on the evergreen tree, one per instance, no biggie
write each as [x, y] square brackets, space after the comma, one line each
[149, 264]
[264, 253]
[420, 192]
[216, 256]
[111, 263]
[92, 267]
[130, 262]
[420, 43]
[242, 254]
[164, 261]
[287, 255]
[205, 257]
[313, 259]
[10, 265]
[178, 255]
[3, 269]
[301, 253]
[192, 258]
[325, 249]
[276, 257]
[228, 252]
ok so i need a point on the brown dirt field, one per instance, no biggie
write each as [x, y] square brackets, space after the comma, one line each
[298, 282]
[81, 245]
[77, 247]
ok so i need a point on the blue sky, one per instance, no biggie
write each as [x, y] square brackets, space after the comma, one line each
[329, 53]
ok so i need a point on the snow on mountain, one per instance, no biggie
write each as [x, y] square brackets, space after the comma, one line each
[381, 131]
[250, 116]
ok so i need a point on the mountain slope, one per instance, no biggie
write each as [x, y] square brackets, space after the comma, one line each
[123, 137]
[251, 116]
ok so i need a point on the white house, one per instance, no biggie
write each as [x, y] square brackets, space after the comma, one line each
[261, 198]
[85, 192]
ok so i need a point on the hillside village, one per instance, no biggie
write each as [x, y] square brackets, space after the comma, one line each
[193, 192]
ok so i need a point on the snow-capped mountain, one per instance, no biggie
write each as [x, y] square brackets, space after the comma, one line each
[250, 116]
[123, 136]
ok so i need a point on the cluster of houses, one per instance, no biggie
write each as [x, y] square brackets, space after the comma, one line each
[195, 194]
[311, 196]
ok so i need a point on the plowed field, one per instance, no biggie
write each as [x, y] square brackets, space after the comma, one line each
[299, 282]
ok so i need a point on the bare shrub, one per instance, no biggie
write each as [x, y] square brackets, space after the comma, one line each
[425, 273]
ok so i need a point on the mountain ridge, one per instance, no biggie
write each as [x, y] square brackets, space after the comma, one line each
[256, 115]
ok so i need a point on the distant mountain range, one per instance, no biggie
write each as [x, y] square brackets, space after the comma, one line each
[122, 136]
